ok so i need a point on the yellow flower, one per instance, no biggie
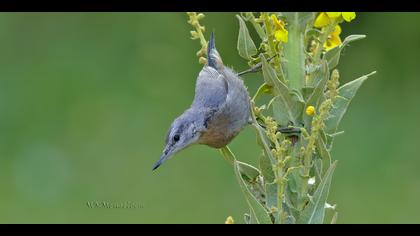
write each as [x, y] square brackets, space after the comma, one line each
[333, 39]
[324, 18]
[310, 110]
[333, 14]
[229, 220]
[348, 16]
[281, 34]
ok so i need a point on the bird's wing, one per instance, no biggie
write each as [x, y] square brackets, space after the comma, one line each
[211, 89]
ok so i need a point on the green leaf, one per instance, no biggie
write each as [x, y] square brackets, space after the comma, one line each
[247, 218]
[270, 103]
[318, 169]
[266, 168]
[321, 76]
[264, 142]
[312, 33]
[290, 198]
[334, 219]
[323, 157]
[322, 150]
[282, 111]
[263, 89]
[271, 78]
[328, 139]
[285, 106]
[271, 197]
[293, 182]
[295, 179]
[252, 219]
[290, 220]
[245, 46]
[248, 171]
[249, 16]
[307, 92]
[257, 210]
[285, 111]
[297, 96]
[346, 94]
[333, 55]
[314, 212]
[227, 154]
[349, 90]
[290, 212]
[336, 114]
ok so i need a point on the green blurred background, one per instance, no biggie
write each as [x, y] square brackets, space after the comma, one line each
[86, 100]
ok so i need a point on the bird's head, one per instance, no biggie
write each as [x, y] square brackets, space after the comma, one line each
[183, 132]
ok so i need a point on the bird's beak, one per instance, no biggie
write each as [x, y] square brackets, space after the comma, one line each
[165, 155]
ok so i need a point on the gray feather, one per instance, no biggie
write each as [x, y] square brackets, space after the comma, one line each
[211, 89]
[214, 59]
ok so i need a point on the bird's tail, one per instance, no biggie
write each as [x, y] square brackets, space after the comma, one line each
[213, 57]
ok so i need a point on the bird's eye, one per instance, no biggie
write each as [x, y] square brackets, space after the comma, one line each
[176, 137]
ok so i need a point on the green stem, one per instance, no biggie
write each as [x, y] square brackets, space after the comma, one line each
[295, 54]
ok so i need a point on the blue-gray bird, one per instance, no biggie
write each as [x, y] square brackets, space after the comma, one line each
[220, 110]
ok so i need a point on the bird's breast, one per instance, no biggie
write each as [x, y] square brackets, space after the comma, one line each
[217, 134]
[221, 130]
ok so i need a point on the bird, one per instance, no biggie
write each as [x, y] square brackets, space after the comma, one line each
[220, 110]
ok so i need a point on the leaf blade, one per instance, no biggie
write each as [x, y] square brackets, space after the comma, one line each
[286, 108]
[245, 45]
[258, 212]
[346, 94]
[314, 212]
[333, 56]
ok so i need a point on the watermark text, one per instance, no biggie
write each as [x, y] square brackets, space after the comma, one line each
[113, 205]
